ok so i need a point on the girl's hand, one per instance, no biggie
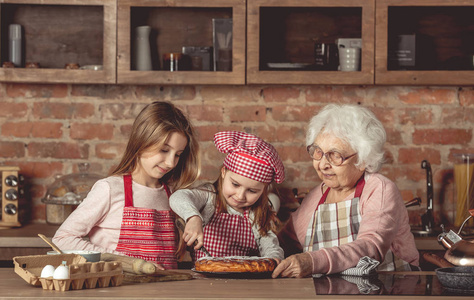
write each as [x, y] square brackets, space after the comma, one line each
[193, 232]
[298, 265]
[158, 266]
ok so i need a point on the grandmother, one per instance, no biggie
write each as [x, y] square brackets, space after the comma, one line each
[355, 211]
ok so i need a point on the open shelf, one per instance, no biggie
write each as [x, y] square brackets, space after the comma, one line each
[60, 32]
[438, 47]
[282, 35]
[174, 25]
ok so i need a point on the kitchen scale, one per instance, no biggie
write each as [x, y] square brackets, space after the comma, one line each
[12, 192]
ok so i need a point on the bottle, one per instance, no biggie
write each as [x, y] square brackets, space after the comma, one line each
[14, 49]
[142, 58]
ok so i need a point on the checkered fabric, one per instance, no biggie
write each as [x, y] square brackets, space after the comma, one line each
[335, 224]
[250, 156]
[228, 235]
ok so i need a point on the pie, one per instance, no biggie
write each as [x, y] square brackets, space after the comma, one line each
[236, 264]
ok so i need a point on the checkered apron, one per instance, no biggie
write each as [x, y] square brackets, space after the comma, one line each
[147, 233]
[335, 224]
[228, 235]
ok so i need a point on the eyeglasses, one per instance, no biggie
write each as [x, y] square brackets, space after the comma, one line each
[333, 157]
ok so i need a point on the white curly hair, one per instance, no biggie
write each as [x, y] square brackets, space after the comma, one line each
[355, 125]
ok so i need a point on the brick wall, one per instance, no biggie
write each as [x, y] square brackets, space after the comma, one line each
[48, 129]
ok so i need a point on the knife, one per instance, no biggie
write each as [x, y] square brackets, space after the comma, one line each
[181, 224]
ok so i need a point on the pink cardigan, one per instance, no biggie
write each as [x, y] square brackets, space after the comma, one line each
[384, 226]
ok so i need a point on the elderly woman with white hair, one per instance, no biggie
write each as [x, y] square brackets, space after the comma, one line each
[355, 212]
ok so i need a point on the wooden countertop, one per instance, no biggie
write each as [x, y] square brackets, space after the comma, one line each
[13, 286]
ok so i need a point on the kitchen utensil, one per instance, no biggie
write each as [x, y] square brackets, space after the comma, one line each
[50, 242]
[163, 276]
[460, 278]
[181, 225]
[132, 265]
[460, 252]
[91, 256]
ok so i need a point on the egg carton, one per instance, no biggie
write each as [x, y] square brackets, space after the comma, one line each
[82, 274]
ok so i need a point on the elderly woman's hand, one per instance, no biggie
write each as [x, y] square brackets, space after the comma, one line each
[298, 265]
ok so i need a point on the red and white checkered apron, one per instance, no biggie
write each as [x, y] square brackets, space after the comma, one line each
[228, 235]
[147, 233]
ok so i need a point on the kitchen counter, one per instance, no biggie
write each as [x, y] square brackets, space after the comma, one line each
[24, 240]
[389, 285]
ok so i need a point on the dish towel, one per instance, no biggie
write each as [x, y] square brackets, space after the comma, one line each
[364, 284]
[366, 266]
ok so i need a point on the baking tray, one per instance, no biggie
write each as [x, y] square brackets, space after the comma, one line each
[236, 275]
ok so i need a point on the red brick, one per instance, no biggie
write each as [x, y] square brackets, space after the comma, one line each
[288, 113]
[169, 92]
[455, 154]
[457, 116]
[291, 133]
[121, 111]
[202, 113]
[13, 110]
[466, 97]
[416, 116]
[206, 132]
[57, 110]
[12, 149]
[39, 170]
[280, 94]
[246, 113]
[15, 90]
[394, 136]
[33, 129]
[58, 150]
[388, 116]
[88, 131]
[442, 136]
[110, 150]
[294, 154]
[98, 91]
[416, 155]
[230, 94]
[429, 96]
[333, 94]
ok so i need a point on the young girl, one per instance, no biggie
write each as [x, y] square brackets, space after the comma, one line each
[233, 217]
[128, 213]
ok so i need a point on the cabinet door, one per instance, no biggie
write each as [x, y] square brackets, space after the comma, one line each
[424, 42]
[283, 34]
[58, 33]
[174, 25]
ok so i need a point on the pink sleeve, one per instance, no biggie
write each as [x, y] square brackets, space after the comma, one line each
[384, 225]
[84, 219]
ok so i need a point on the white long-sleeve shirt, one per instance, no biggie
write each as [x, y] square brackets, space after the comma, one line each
[99, 216]
[201, 202]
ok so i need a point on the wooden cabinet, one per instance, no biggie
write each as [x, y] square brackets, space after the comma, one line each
[175, 24]
[273, 41]
[281, 37]
[60, 32]
[443, 35]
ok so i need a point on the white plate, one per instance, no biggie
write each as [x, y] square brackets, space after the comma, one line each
[288, 65]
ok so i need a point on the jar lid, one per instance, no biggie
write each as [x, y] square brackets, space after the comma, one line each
[71, 189]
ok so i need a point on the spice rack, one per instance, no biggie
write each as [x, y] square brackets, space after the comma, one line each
[12, 194]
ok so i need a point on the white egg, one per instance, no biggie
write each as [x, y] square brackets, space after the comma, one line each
[47, 271]
[61, 272]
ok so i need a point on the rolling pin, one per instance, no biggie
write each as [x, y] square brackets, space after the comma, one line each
[131, 265]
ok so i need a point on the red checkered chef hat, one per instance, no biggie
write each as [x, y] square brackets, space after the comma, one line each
[250, 156]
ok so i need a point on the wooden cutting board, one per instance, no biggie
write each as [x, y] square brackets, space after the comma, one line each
[163, 276]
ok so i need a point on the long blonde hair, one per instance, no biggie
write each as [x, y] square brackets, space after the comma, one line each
[152, 127]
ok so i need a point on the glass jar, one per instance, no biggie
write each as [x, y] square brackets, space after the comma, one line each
[464, 190]
[67, 192]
